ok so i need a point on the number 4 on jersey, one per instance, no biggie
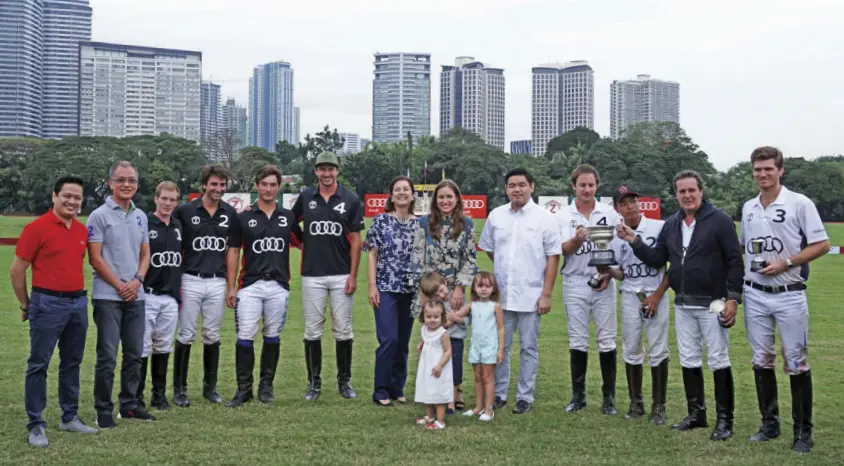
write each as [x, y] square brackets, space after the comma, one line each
[602, 221]
[341, 207]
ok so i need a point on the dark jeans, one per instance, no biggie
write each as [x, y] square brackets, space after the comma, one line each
[118, 322]
[51, 320]
[457, 360]
[393, 324]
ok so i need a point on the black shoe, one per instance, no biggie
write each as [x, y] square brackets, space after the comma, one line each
[138, 413]
[522, 407]
[269, 362]
[210, 364]
[106, 421]
[158, 398]
[244, 359]
[659, 382]
[313, 362]
[499, 403]
[608, 374]
[693, 383]
[579, 361]
[634, 389]
[143, 382]
[344, 369]
[724, 404]
[801, 412]
[181, 360]
[766, 396]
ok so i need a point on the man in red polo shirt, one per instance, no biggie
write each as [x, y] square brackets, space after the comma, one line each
[54, 245]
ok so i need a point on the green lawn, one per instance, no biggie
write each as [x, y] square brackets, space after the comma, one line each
[333, 430]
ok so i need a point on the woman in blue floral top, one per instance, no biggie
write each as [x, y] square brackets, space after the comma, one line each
[391, 289]
[445, 243]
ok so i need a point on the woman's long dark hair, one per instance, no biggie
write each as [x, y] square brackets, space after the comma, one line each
[435, 217]
[389, 207]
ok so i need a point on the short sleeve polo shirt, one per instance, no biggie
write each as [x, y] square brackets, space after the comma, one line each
[165, 264]
[122, 233]
[56, 252]
[206, 238]
[266, 243]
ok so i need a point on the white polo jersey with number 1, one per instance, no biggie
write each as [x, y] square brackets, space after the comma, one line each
[569, 219]
[786, 226]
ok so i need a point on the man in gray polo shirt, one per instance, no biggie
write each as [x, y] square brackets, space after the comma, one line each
[118, 248]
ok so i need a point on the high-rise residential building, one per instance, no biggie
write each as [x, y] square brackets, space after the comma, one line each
[271, 117]
[351, 144]
[127, 90]
[297, 126]
[364, 142]
[235, 120]
[39, 65]
[210, 112]
[401, 96]
[472, 98]
[520, 147]
[563, 99]
[642, 100]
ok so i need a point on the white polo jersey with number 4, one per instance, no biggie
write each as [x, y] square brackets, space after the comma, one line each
[636, 274]
[569, 220]
[786, 226]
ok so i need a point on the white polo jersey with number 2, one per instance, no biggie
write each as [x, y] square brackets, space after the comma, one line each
[786, 226]
[636, 274]
[569, 219]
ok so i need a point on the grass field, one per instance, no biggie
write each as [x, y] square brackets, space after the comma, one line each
[333, 430]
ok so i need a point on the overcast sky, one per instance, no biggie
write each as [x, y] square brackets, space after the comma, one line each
[751, 72]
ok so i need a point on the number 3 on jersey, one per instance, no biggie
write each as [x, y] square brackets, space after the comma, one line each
[341, 207]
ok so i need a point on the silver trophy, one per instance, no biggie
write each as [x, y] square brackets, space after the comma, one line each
[600, 236]
[642, 295]
[757, 263]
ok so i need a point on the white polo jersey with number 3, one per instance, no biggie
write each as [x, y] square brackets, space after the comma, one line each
[569, 219]
[636, 274]
[786, 226]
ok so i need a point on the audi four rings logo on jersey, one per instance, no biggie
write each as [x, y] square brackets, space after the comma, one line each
[648, 205]
[472, 204]
[268, 245]
[770, 244]
[585, 248]
[209, 243]
[325, 228]
[640, 271]
[166, 259]
[376, 202]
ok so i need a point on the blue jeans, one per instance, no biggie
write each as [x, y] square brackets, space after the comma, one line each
[54, 320]
[393, 324]
[118, 322]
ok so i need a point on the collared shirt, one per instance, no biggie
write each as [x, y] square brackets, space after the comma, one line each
[55, 251]
[121, 234]
[165, 263]
[786, 226]
[636, 274]
[327, 227]
[206, 238]
[266, 243]
[577, 263]
[521, 240]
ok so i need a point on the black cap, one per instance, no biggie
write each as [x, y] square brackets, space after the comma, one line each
[621, 193]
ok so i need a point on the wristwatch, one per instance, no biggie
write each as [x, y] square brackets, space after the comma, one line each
[140, 279]
[789, 263]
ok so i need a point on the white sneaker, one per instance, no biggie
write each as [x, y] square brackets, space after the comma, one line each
[471, 412]
[486, 417]
[436, 425]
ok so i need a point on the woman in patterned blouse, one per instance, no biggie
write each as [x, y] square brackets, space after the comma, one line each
[445, 243]
[388, 242]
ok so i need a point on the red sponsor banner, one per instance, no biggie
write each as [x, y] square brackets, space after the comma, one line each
[650, 207]
[373, 204]
[474, 206]
[192, 196]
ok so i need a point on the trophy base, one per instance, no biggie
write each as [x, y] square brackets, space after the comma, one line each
[594, 282]
[756, 266]
[605, 257]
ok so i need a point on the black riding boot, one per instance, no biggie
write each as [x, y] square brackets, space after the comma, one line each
[344, 369]
[801, 411]
[608, 374]
[724, 404]
[766, 396]
[634, 389]
[244, 360]
[269, 362]
[579, 361]
[211, 363]
[142, 384]
[693, 383]
[181, 360]
[313, 362]
[158, 368]
[659, 380]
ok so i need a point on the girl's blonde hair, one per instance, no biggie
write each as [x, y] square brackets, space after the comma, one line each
[433, 304]
[488, 277]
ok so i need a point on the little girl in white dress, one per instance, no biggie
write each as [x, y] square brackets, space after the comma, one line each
[434, 381]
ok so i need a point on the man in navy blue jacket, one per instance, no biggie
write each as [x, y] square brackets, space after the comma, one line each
[702, 246]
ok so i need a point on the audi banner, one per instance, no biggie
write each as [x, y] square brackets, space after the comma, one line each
[474, 206]
[650, 207]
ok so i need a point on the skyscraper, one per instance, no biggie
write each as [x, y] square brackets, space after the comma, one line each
[127, 90]
[235, 120]
[563, 99]
[401, 96]
[297, 126]
[271, 116]
[351, 144]
[642, 100]
[210, 113]
[472, 97]
[39, 65]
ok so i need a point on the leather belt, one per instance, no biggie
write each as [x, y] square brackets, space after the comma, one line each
[206, 275]
[60, 294]
[776, 288]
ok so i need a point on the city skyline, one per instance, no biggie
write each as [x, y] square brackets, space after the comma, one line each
[641, 100]
[473, 97]
[271, 112]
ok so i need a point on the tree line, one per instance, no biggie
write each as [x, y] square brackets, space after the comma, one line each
[645, 159]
